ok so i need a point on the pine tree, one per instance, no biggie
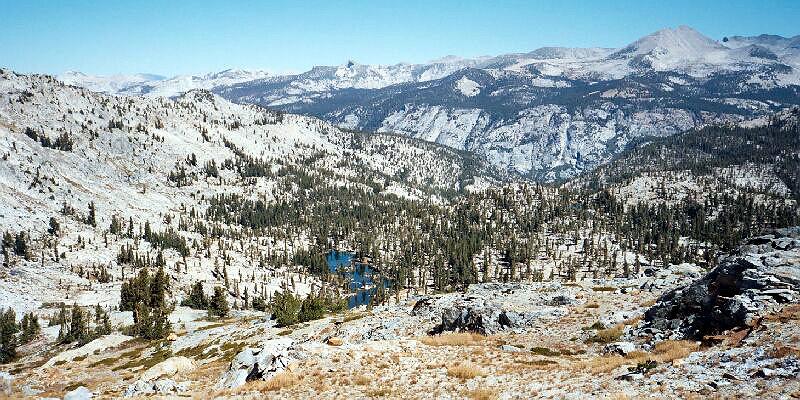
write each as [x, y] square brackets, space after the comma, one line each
[8, 335]
[90, 218]
[197, 298]
[54, 227]
[285, 308]
[30, 327]
[219, 303]
[146, 297]
[102, 322]
[116, 225]
[158, 286]
[21, 245]
[78, 326]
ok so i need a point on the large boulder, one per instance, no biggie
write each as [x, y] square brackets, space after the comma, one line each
[168, 368]
[493, 307]
[761, 276]
[80, 393]
[259, 363]
[155, 380]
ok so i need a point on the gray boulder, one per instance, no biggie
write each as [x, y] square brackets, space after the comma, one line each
[511, 349]
[621, 348]
[80, 393]
[759, 278]
[259, 363]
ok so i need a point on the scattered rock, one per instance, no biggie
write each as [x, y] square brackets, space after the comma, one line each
[618, 317]
[631, 376]
[168, 367]
[80, 393]
[6, 383]
[161, 386]
[139, 388]
[562, 300]
[493, 307]
[729, 376]
[259, 363]
[509, 348]
[621, 348]
[335, 341]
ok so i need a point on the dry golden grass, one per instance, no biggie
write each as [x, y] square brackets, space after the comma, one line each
[780, 351]
[361, 380]
[635, 355]
[607, 335]
[379, 392]
[787, 313]
[321, 385]
[454, 339]
[483, 394]
[632, 321]
[465, 371]
[669, 350]
[665, 351]
[600, 365]
[649, 303]
[280, 381]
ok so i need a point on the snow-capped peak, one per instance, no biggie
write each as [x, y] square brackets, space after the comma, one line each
[682, 42]
[107, 84]
[238, 74]
[156, 85]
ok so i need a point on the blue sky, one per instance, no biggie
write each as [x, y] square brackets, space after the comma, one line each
[168, 38]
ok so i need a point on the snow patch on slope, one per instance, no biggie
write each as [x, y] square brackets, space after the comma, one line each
[468, 87]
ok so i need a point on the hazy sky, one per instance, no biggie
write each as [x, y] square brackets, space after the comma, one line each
[168, 38]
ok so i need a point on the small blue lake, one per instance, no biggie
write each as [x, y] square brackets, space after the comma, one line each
[359, 275]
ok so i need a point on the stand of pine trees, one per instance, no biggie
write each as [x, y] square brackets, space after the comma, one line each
[146, 297]
[287, 309]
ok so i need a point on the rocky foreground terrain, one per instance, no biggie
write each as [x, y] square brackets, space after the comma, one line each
[677, 332]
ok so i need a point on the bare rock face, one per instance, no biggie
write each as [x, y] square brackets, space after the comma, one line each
[493, 307]
[259, 363]
[759, 278]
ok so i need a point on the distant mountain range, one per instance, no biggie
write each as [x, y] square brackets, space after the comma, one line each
[548, 114]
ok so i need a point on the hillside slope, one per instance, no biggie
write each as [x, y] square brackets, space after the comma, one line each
[75, 162]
